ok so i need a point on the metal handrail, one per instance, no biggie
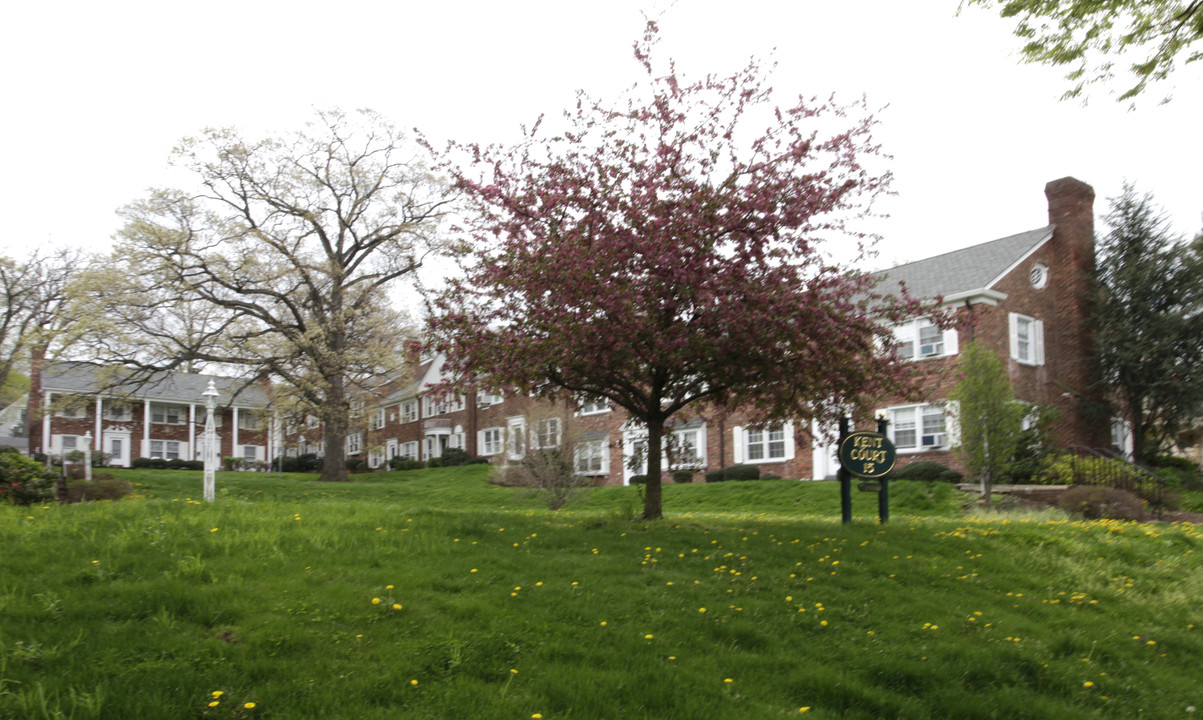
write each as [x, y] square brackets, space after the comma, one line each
[1119, 472]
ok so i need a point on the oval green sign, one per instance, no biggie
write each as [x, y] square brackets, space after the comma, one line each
[867, 454]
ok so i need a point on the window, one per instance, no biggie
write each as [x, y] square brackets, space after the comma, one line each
[69, 443]
[375, 459]
[918, 427]
[69, 407]
[356, 408]
[432, 406]
[409, 450]
[592, 457]
[168, 414]
[202, 415]
[409, 411]
[1027, 339]
[485, 399]
[547, 433]
[116, 448]
[118, 411]
[593, 405]
[686, 448]
[354, 443]
[921, 339]
[250, 453]
[378, 419]
[249, 420]
[165, 449]
[312, 421]
[766, 443]
[492, 441]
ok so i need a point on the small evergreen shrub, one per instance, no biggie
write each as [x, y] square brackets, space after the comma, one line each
[24, 481]
[148, 463]
[951, 476]
[102, 487]
[742, 472]
[356, 465]
[716, 475]
[1095, 502]
[402, 463]
[639, 479]
[453, 457]
[682, 476]
[927, 470]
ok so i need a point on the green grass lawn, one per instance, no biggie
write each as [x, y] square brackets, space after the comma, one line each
[432, 594]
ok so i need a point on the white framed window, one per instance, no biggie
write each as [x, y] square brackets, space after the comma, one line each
[375, 459]
[457, 403]
[249, 420]
[355, 443]
[592, 457]
[118, 411]
[202, 417]
[165, 414]
[409, 450]
[250, 453]
[485, 399]
[356, 407]
[68, 442]
[409, 411]
[766, 443]
[686, 447]
[918, 427]
[312, 421]
[1027, 339]
[590, 405]
[921, 339]
[378, 419]
[116, 447]
[165, 449]
[70, 407]
[491, 441]
[546, 433]
[516, 437]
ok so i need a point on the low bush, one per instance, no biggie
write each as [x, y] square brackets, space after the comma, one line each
[402, 463]
[927, 470]
[742, 472]
[639, 479]
[24, 481]
[453, 457]
[102, 487]
[308, 462]
[682, 476]
[716, 475]
[356, 465]
[1095, 502]
[148, 464]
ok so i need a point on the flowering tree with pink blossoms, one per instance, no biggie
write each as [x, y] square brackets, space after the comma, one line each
[662, 256]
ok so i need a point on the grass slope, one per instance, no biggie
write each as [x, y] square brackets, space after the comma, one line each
[435, 595]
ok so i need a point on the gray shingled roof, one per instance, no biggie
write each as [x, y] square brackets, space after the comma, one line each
[964, 270]
[180, 387]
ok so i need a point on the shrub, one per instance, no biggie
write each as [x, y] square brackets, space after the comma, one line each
[639, 479]
[102, 487]
[548, 473]
[454, 456]
[951, 476]
[1095, 502]
[401, 463]
[716, 475]
[151, 463]
[742, 472]
[682, 476]
[24, 481]
[927, 470]
[232, 463]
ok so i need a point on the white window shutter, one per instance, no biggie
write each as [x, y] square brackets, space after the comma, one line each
[1038, 342]
[737, 438]
[952, 423]
[605, 463]
[788, 431]
[950, 341]
[1013, 326]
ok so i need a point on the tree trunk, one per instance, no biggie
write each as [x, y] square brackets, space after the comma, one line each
[335, 421]
[987, 486]
[35, 407]
[652, 504]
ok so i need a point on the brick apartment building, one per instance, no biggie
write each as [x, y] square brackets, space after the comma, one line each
[1025, 296]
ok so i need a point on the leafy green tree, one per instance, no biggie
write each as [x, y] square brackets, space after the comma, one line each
[991, 419]
[281, 261]
[1150, 316]
[1092, 36]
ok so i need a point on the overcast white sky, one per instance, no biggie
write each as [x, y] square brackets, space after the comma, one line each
[97, 93]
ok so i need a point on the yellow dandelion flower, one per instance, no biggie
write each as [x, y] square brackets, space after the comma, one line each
[1087, 684]
[214, 703]
[218, 693]
[728, 680]
[701, 610]
[375, 601]
[396, 606]
[413, 682]
[249, 706]
[804, 709]
[647, 637]
[388, 587]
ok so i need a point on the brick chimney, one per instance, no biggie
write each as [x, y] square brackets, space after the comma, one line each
[1071, 213]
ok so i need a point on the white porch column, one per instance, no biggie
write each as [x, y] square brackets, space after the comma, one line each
[145, 449]
[96, 442]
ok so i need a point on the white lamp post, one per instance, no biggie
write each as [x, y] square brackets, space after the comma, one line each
[88, 456]
[209, 454]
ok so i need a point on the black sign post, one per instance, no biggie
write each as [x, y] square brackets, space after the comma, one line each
[845, 478]
[868, 455]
